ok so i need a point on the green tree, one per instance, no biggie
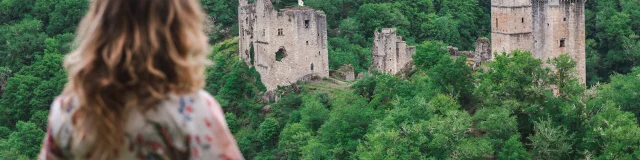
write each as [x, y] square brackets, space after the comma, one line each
[443, 28]
[447, 126]
[614, 32]
[315, 150]
[14, 10]
[343, 52]
[235, 84]
[613, 134]
[550, 142]
[465, 14]
[497, 123]
[514, 150]
[623, 90]
[313, 113]
[268, 133]
[24, 142]
[34, 87]
[376, 16]
[472, 148]
[347, 124]
[448, 76]
[429, 53]
[224, 15]
[292, 138]
[66, 15]
[41, 10]
[22, 43]
[406, 141]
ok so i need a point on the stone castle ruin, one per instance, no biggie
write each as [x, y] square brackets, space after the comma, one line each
[290, 45]
[475, 58]
[284, 46]
[547, 28]
[390, 53]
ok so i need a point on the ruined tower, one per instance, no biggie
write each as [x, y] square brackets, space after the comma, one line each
[390, 52]
[547, 28]
[559, 28]
[511, 25]
[284, 46]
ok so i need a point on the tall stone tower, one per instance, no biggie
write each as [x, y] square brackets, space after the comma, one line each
[547, 28]
[511, 25]
[559, 28]
[390, 53]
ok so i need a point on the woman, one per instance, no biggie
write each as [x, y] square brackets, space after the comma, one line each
[135, 87]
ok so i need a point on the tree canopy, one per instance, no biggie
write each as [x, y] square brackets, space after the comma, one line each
[514, 107]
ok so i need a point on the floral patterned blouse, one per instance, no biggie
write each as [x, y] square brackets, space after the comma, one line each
[182, 127]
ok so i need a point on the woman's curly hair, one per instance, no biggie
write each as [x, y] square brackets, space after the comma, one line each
[129, 55]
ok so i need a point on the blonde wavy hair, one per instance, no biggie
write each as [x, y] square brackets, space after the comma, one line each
[130, 55]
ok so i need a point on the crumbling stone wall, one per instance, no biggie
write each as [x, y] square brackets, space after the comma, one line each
[284, 46]
[345, 73]
[390, 52]
[474, 58]
[547, 28]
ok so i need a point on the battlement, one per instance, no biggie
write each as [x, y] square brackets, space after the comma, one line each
[510, 3]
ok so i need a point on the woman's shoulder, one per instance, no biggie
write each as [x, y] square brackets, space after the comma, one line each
[60, 127]
[61, 112]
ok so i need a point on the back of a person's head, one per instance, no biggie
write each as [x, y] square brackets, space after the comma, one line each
[129, 55]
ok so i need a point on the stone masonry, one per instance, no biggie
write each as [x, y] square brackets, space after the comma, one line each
[511, 25]
[284, 46]
[559, 28]
[474, 58]
[547, 28]
[390, 52]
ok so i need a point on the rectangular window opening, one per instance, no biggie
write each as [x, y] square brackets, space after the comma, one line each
[306, 23]
[280, 32]
[562, 43]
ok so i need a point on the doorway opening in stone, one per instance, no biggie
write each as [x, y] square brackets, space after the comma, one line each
[282, 53]
[252, 53]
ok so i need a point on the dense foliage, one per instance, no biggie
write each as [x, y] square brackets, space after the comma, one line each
[513, 108]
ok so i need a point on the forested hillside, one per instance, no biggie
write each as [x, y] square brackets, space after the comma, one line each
[442, 110]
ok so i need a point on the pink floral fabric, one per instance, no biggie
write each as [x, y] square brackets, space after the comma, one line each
[181, 127]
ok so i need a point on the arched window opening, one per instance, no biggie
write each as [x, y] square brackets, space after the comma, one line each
[282, 53]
